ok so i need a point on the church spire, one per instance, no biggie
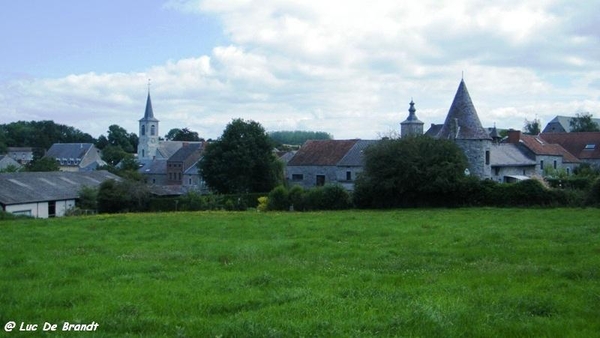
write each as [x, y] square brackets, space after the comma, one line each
[149, 113]
[411, 126]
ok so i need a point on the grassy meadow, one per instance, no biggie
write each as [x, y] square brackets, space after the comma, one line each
[413, 273]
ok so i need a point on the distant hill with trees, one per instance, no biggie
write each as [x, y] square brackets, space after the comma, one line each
[297, 137]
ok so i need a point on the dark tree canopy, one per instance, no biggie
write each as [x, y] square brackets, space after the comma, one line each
[184, 134]
[40, 134]
[298, 137]
[409, 172]
[532, 127]
[241, 160]
[118, 136]
[42, 164]
[583, 122]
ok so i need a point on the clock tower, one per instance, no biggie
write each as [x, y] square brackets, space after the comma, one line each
[148, 136]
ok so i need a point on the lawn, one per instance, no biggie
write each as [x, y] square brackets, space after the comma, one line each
[416, 273]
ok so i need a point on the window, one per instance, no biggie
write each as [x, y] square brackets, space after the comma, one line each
[143, 130]
[297, 177]
[497, 171]
[154, 180]
[542, 165]
[487, 157]
[22, 212]
[152, 130]
[143, 153]
[568, 171]
[554, 164]
[348, 176]
[52, 209]
[320, 180]
[189, 181]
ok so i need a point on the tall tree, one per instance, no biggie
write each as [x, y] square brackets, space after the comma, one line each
[583, 122]
[532, 127]
[241, 160]
[184, 134]
[118, 136]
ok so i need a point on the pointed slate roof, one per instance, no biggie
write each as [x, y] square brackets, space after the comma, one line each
[412, 117]
[149, 113]
[462, 121]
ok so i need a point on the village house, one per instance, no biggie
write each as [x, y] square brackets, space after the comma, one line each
[7, 162]
[562, 124]
[23, 155]
[46, 194]
[584, 145]
[75, 156]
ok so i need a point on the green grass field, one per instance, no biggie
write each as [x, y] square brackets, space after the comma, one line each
[413, 273]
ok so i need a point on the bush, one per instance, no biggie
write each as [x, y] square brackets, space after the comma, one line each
[278, 199]
[296, 195]
[335, 197]
[263, 203]
[593, 197]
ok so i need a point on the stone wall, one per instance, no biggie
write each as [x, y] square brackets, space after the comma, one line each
[475, 151]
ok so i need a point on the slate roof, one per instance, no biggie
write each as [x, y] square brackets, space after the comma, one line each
[6, 161]
[509, 155]
[434, 130]
[149, 113]
[30, 187]
[584, 145]
[186, 150]
[156, 166]
[321, 152]
[69, 150]
[540, 147]
[462, 111]
[354, 157]
[412, 117]
[166, 149]
[561, 124]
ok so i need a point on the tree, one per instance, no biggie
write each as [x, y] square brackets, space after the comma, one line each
[419, 171]
[184, 134]
[298, 137]
[42, 164]
[583, 122]
[118, 136]
[122, 196]
[112, 154]
[532, 127]
[241, 160]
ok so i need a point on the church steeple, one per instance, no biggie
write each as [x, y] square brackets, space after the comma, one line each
[411, 126]
[148, 136]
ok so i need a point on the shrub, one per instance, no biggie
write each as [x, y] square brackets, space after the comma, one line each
[296, 195]
[278, 199]
[593, 197]
[335, 197]
[263, 203]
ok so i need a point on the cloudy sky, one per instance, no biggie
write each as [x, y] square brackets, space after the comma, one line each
[346, 67]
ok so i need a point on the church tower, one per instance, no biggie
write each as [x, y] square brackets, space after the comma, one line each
[411, 126]
[462, 125]
[148, 139]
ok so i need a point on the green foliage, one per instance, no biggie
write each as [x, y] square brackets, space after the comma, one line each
[241, 160]
[298, 137]
[184, 134]
[113, 154]
[42, 164]
[119, 137]
[418, 171]
[122, 196]
[472, 272]
[11, 169]
[263, 203]
[7, 216]
[297, 197]
[279, 199]
[583, 122]
[594, 193]
[40, 134]
[88, 198]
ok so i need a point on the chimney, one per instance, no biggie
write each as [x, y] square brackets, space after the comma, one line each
[514, 136]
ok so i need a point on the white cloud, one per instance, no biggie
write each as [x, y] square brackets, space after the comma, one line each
[345, 67]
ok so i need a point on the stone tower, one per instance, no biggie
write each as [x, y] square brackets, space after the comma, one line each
[462, 125]
[411, 126]
[148, 140]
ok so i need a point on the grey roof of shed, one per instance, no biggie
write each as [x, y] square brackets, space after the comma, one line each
[462, 111]
[31, 187]
[69, 150]
[509, 155]
[354, 156]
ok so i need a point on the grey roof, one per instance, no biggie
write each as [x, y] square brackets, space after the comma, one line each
[193, 169]
[166, 149]
[31, 187]
[462, 121]
[509, 155]
[154, 167]
[434, 130]
[149, 113]
[69, 150]
[354, 157]
[187, 149]
[561, 124]
[412, 117]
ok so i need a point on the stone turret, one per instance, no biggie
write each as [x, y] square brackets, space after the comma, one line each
[411, 126]
[462, 125]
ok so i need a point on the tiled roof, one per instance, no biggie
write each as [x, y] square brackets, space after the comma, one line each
[584, 145]
[540, 147]
[321, 152]
[354, 157]
[508, 154]
[69, 150]
[462, 112]
[186, 150]
[30, 187]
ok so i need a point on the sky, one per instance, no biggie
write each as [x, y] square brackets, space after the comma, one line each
[349, 68]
